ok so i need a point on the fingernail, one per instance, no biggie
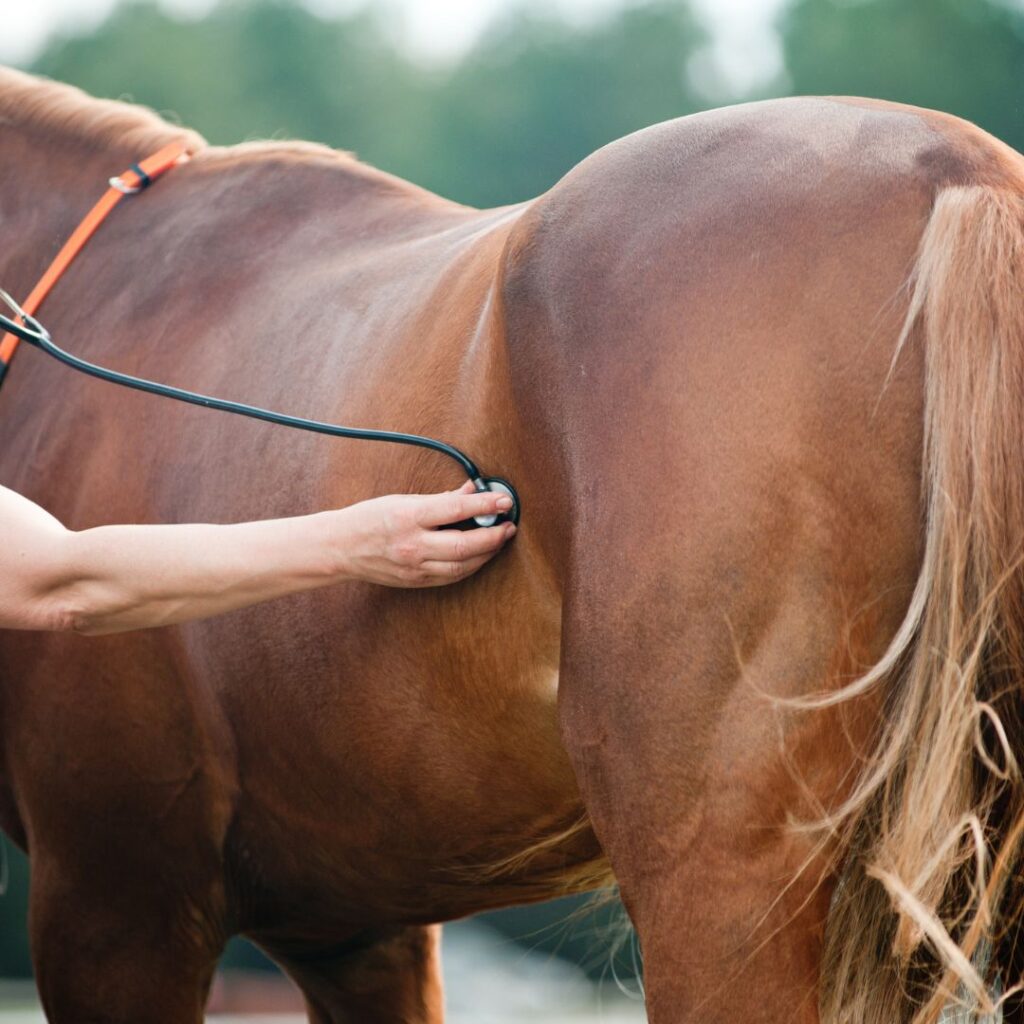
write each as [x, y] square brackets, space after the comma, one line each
[504, 503]
[510, 529]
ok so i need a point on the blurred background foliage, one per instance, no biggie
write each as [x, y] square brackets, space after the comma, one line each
[506, 118]
[534, 94]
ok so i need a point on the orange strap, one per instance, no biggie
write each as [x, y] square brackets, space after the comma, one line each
[135, 179]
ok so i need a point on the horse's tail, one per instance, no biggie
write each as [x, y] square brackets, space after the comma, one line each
[929, 903]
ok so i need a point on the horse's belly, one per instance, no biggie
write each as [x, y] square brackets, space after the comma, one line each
[398, 752]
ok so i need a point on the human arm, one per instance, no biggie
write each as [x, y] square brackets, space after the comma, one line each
[114, 578]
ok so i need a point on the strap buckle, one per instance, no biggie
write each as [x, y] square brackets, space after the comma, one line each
[144, 181]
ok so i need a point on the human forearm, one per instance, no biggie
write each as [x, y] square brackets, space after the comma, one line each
[114, 578]
[118, 578]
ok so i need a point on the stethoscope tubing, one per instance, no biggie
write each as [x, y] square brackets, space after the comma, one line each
[30, 330]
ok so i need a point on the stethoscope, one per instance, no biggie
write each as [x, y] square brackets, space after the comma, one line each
[29, 329]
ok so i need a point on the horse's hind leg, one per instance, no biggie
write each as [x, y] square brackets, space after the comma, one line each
[682, 630]
[742, 522]
[682, 768]
[381, 979]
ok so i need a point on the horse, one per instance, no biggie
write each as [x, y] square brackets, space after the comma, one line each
[754, 655]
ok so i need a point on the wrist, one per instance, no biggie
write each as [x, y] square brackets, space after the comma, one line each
[336, 537]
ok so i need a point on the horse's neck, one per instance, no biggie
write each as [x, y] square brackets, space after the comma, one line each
[42, 197]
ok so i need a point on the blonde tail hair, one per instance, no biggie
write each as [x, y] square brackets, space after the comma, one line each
[927, 908]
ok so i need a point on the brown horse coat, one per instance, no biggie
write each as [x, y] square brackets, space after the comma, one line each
[679, 356]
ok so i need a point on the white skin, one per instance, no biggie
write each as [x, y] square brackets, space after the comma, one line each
[115, 578]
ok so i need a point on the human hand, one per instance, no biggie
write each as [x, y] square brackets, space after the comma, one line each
[395, 540]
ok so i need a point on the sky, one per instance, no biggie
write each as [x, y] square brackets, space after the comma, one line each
[745, 50]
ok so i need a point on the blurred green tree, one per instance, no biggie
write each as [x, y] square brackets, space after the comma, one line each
[535, 96]
[248, 70]
[528, 102]
[14, 955]
[965, 57]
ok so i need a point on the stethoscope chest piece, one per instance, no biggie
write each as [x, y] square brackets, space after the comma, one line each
[499, 486]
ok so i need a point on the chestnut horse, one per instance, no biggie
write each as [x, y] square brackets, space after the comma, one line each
[758, 376]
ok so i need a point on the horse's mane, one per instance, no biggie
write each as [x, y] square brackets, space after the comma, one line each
[62, 111]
